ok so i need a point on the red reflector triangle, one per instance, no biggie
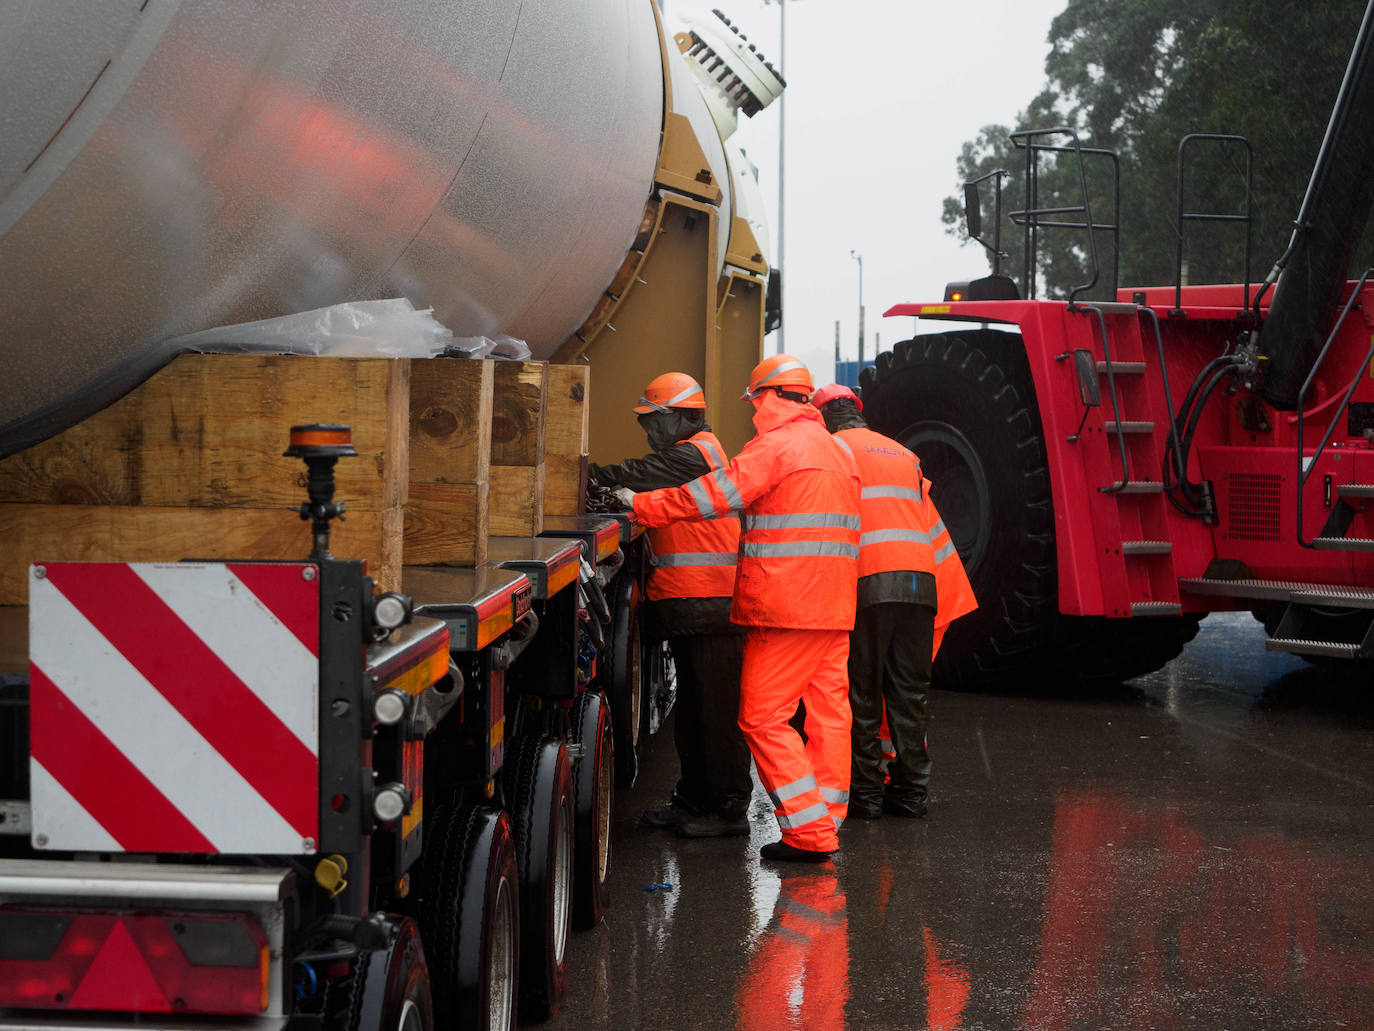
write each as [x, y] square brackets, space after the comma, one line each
[119, 979]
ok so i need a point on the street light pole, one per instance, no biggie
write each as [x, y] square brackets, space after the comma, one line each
[860, 259]
[782, 129]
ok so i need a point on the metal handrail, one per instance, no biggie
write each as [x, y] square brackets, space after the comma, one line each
[1305, 467]
[1183, 217]
[1116, 404]
[1030, 217]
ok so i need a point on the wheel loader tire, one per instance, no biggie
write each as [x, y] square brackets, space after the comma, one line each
[964, 403]
[593, 793]
[469, 916]
[624, 681]
[539, 791]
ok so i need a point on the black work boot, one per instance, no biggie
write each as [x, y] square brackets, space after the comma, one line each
[782, 852]
[864, 808]
[714, 825]
[913, 807]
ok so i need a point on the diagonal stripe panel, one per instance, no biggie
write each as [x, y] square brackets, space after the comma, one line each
[148, 730]
[116, 794]
[292, 599]
[155, 641]
[248, 636]
[60, 808]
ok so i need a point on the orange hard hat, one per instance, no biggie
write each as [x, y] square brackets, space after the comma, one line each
[781, 370]
[835, 392]
[671, 390]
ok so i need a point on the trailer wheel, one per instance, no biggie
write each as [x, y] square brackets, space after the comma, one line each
[625, 681]
[965, 404]
[539, 790]
[386, 990]
[469, 916]
[593, 788]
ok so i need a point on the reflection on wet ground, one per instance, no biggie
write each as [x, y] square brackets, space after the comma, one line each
[1194, 849]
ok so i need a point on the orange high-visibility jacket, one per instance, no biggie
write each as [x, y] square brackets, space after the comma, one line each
[952, 586]
[894, 535]
[799, 541]
[696, 560]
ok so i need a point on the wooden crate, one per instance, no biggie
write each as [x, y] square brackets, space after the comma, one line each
[190, 465]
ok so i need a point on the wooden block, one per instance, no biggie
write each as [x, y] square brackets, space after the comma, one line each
[450, 420]
[519, 404]
[567, 421]
[83, 533]
[517, 500]
[446, 524]
[14, 638]
[209, 431]
[565, 484]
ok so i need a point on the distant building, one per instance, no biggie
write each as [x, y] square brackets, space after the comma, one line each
[847, 373]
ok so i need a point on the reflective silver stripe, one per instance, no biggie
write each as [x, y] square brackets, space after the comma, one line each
[790, 821]
[801, 521]
[890, 536]
[728, 488]
[945, 552]
[885, 743]
[839, 820]
[702, 497]
[847, 449]
[937, 529]
[789, 791]
[693, 389]
[784, 367]
[831, 795]
[697, 558]
[887, 491]
[714, 455]
[790, 549]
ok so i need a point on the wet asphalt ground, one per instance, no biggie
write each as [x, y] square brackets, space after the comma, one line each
[1193, 849]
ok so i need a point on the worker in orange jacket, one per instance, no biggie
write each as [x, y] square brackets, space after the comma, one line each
[690, 584]
[893, 643]
[794, 591]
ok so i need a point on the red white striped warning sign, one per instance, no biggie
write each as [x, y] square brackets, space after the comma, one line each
[173, 707]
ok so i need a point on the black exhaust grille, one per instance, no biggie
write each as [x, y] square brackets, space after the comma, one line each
[1252, 508]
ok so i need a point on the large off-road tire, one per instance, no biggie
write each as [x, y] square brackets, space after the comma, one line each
[540, 797]
[593, 793]
[624, 680]
[469, 917]
[965, 403]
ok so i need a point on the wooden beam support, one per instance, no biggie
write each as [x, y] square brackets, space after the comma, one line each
[517, 448]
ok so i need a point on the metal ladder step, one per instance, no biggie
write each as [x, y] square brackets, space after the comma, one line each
[1355, 490]
[1343, 544]
[1137, 487]
[1297, 646]
[1119, 367]
[1338, 595]
[1146, 547]
[1155, 608]
[1111, 426]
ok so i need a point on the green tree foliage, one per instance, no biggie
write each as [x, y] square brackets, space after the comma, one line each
[1134, 77]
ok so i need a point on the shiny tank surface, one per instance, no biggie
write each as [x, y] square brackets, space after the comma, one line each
[172, 165]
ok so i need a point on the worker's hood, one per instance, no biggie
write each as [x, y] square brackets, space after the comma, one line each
[772, 410]
[842, 414]
[665, 429]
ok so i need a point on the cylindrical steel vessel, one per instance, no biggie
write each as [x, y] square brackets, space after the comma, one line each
[173, 165]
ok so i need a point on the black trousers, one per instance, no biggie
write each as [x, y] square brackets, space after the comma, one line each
[889, 664]
[710, 746]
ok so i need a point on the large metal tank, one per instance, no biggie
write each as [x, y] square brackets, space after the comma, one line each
[172, 165]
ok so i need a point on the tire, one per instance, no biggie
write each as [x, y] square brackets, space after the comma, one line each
[539, 792]
[965, 403]
[593, 791]
[624, 681]
[469, 917]
[383, 991]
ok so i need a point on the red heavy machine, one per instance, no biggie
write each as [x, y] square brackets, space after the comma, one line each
[1113, 471]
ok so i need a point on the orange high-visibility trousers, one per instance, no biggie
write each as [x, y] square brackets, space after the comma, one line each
[809, 785]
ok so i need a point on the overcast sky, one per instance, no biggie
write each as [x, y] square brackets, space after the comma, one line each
[881, 94]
